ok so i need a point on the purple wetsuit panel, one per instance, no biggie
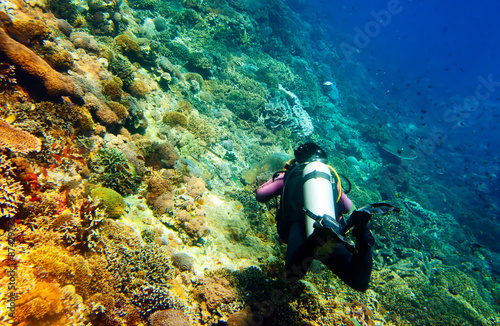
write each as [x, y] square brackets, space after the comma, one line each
[270, 189]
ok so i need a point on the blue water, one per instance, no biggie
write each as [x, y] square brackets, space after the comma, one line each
[434, 65]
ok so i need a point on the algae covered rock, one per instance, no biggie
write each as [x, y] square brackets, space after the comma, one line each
[113, 201]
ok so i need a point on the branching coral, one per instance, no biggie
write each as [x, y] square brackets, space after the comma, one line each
[11, 195]
[112, 169]
[145, 275]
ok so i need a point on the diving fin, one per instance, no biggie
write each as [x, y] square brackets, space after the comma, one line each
[363, 215]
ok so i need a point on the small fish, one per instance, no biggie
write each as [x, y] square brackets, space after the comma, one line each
[67, 100]
[11, 119]
[327, 83]
[91, 156]
[66, 150]
[58, 158]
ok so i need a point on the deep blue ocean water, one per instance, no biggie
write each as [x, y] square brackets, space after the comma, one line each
[435, 65]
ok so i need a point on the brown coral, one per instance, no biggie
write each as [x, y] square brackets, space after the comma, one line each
[113, 88]
[217, 291]
[175, 119]
[169, 317]
[17, 140]
[22, 57]
[120, 110]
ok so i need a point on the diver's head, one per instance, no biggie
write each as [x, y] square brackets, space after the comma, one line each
[309, 152]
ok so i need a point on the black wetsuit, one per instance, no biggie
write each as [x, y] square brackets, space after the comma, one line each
[354, 269]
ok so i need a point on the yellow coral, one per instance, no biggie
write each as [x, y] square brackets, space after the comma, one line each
[174, 119]
[44, 300]
[17, 140]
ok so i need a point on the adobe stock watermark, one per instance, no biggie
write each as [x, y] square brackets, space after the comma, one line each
[458, 114]
[363, 37]
[11, 269]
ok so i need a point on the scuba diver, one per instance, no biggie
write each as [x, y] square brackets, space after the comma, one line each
[310, 219]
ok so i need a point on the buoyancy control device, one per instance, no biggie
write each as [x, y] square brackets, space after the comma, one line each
[320, 196]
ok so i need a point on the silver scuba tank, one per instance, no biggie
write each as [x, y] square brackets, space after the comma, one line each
[319, 198]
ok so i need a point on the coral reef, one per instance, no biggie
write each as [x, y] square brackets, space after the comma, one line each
[32, 64]
[138, 207]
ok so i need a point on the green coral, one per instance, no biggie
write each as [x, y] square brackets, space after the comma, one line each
[63, 9]
[175, 119]
[141, 4]
[376, 133]
[122, 67]
[188, 18]
[111, 168]
[242, 95]
[200, 62]
[179, 52]
[112, 201]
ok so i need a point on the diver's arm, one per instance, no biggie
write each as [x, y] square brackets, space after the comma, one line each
[270, 189]
[344, 204]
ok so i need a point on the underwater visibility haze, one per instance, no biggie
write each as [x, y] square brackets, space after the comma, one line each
[134, 134]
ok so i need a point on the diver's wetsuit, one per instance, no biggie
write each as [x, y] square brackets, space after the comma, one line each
[354, 269]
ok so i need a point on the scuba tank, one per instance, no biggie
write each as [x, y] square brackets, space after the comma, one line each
[319, 199]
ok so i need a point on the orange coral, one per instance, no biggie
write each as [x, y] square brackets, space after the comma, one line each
[217, 291]
[17, 140]
[42, 302]
[22, 57]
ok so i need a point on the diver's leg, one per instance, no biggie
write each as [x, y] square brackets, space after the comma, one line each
[354, 269]
[299, 253]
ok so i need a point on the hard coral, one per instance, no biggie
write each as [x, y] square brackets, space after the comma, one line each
[63, 9]
[113, 88]
[10, 190]
[17, 140]
[139, 88]
[34, 30]
[183, 261]
[120, 110]
[169, 317]
[113, 201]
[175, 119]
[159, 154]
[128, 47]
[32, 64]
[59, 265]
[43, 302]
[217, 291]
[112, 169]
